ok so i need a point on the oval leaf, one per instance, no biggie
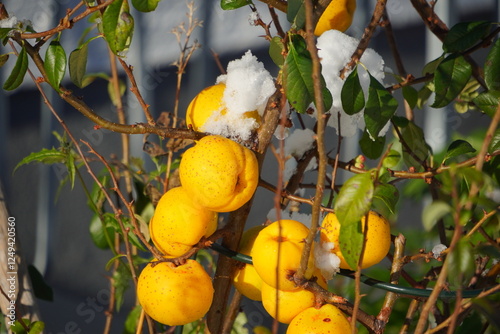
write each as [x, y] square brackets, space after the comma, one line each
[488, 101]
[353, 99]
[232, 4]
[380, 107]
[55, 64]
[464, 35]
[118, 26]
[297, 76]
[78, 65]
[352, 203]
[388, 195]
[276, 48]
[410, 95]
[450, 78]
[414, 138]
[16, 77]
[145, 5]
[3, 59]
[458, 147]
[371, 148]
[461, 262]
[433, 213]
[492, 67]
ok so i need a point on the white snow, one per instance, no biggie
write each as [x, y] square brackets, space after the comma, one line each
[299, 142]
[326, 261]
[437, 250]
[9, 22]
[304, 218]
[335, 49]
[248, 87]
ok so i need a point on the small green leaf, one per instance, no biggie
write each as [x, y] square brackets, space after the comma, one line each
[488, 102]
[371, 148]
[118, 26]
[464, 35]
[388, 195]
[296, 13]
[121, 282]
[433, 213]
[431, 66]
[145, 5]
[492, 67]
[298, 82]
[380, 107]
[132, 320]
[37, 327]
[45, 156]
[55, 64]
[111, 91]
[461, 262]
[233, 4]
[3, 59]
[353, 99]
[102, 233]
[418, 152]
[352, 203]
[16, 77]
[458, 147]
[78, 64]
[450, 78]
[276, 48]
[495, 141]
[17, 328]
[4, 32]
[410, 94]
[40, 288]
[424, 94]
[400, 122]
[392, 159]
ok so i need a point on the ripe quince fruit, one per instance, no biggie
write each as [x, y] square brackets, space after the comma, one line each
[337, 15]
[219, 174]
[179, 223]
[326, 319]
[245, 278]
[377, 238]
[209, 103]
[175, 295]
[277, 251]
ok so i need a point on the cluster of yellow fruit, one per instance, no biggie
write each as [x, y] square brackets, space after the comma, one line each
[276, 251]
[217, 175]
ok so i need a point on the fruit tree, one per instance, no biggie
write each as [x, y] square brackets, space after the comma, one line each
[324, 127]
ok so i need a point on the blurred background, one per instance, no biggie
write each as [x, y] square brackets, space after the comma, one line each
[54, 233]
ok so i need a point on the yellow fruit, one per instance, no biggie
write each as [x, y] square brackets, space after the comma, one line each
[377, 239]
[326, 320]
[219, 174]
[178, 222]
[289, 303]
[209, 103]
[245, 279]
[175, 295]
[338, 15]
[277, 251]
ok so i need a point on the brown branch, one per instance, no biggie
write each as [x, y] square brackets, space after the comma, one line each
[280, 5]
[367, 35]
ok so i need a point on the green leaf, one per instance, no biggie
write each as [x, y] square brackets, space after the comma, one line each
[400, 122]
[488, 101]
[132, 320]
[380, 107]
[101, 232]
[45, 156]
[371, 148]
[414, 138]
[458, 147]
[298, 82]
[464, 35]
[353, 99]
[450, 78]
[233, 4]
[388, 195]
[410, 95]
[296, 13]
[16, 77]
[352, 203]
[276, 48]
[492, 67]
[461, 262]
[4, 32]
[17, 328]
[392, 159]
[78, 64]
[111, 91]
[40, 288]
[121, 282]
[3, 59]
[495, 142]
[118, 26]
[431, 66]
[37, 327]
[145, 5]
[55, 64]
[424, 94]
[434, 212]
